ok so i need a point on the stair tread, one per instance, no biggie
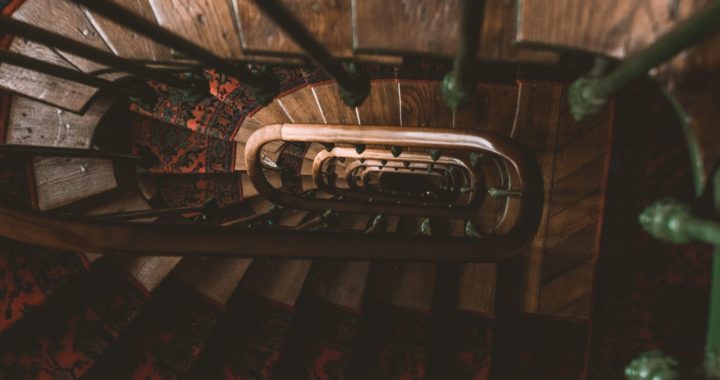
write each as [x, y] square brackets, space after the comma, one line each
[213, 25]
[65, 94]
[61, 181]
[67, 19]
[34, 123]
[423, 28]
[125, 42]
[329, 22]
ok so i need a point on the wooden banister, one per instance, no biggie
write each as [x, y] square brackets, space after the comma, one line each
[428, 138]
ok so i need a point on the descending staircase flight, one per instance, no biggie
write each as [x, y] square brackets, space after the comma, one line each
[320, 177]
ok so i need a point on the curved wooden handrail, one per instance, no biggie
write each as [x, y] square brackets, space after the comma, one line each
[159, 239]
[366, 170]
[358, 193]
[379, 154]
[356, 190]
[469, 141]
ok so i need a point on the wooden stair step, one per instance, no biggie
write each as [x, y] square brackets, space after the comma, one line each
[34, 123]
[424, 27]
[330, 22]
[125, 42]
[67, 19]
[207, 23]
[100, 307]
[68, 95]
[61, 181]
[609, 28]
[334, 111]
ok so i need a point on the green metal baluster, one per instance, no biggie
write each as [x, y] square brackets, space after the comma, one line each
[652, 365]
[458, 85]
[712, 348]
[589, 94]
[395, 150]
[476, 158]
[672, 221]
[471, 229]
[435, 154]
[501, 193]
[426, 227]
[378, 224]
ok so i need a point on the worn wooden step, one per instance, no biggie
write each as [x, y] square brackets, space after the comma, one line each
[68, 95]
[430, 27]
[67, 19]
[34, 123]
[330, 22]
[208, 23]
[61, 181]
[125, 42]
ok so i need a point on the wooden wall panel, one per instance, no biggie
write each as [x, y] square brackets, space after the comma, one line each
[538, 108]
[575, 213]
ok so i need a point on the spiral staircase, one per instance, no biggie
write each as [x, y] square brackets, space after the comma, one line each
[198, 228]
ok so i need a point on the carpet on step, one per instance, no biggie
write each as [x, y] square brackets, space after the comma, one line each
[249, 340]
[321, 341]
[542, 348]
[180, 150]
[291, 159]
[190, 190]
[168, 337]
[29, 275]
[397, 344]
[471, 338]
[71, 333]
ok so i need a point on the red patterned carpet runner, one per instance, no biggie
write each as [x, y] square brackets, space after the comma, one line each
[321, 342]
[167, 338]
[71, 333]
